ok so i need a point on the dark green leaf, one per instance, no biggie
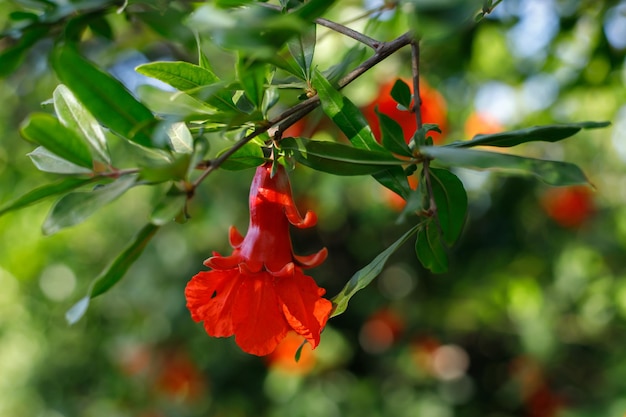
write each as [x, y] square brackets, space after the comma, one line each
[47, 161]
[393, 136]
[550, 172]
[113, 273]
[429, 248]
[46, 130]
[73, 115]
[401, 93]
[451, 200]
[105, 97]
[249, 155]
[75, 207]
[44, 192]
[12, 57]
[338, 159]
[366, 275]
[548, 133]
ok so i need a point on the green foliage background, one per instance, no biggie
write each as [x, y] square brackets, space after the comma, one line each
[535, 307]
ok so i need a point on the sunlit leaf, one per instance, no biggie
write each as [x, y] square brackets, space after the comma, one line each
[344, 114]
[548, 133]
[75, 207]
[183, 76]
[430, 249]
[46, 130]
[47, 161]
[366, 275]
[74, 115]
[550, 172]
[180, 138]
[338, 159]
[44, 192]
[451, 200]
[105, 97]
[113, 273]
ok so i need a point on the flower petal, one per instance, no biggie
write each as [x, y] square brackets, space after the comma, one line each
[304, 308]
[210, 298]
[258, 320]
[311, 261]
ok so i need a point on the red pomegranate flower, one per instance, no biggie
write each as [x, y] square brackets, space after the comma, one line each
[259, 293]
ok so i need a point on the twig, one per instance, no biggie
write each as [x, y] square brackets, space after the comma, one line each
[351, 33]
[300, 110]
[415, 67]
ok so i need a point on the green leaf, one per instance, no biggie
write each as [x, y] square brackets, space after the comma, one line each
[12, 57]
[430, 249]
[169, 103]
[451, 200]
[169, 208]
[180, 138]
[47, 161]
[401, 93]
[353, 124]
[344, 114]
[550, 172]
[105, 97]
[393, 135]
[113, 273]
[43, 192]
[302, 48]
[253, 78]
[366, 275]
[173, 169]
[197, 81]
[73, 115]
[548, 133]
[181, 75]
[249, 155]
[75, 207]
[338, 159]
[46, 130]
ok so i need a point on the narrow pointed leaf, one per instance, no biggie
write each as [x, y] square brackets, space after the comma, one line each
[366, 275]
[75, 207]
[548, 133]
[105, 97]
[451, 200]
[76, 117]
[113, 273]
[302, 48]
[47, 161]
[46, 130]
[430, 249]
[344, 114]
[169, 208]
[44, 192]
[252, 76]
[353, 124]
[550, 172]
[338, 159]
[393, 135]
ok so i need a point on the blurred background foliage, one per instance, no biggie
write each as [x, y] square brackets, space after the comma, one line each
[529, 321]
